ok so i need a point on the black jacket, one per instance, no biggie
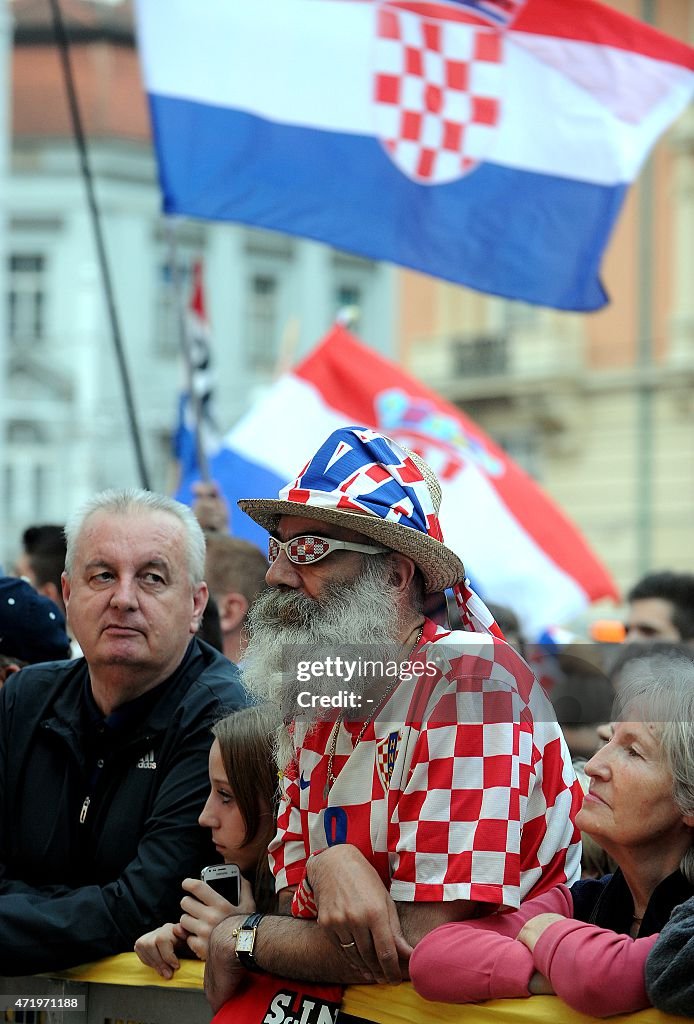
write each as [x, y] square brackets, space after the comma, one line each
[82, 879]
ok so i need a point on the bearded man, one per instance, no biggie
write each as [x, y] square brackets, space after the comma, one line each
[447, 792]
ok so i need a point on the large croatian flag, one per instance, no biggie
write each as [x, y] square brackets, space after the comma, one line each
[517, 546]
[489, 142]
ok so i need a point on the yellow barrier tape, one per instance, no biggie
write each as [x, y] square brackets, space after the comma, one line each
[128, 969]
[393, 1004]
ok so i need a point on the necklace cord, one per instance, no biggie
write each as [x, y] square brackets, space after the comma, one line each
[331, 779]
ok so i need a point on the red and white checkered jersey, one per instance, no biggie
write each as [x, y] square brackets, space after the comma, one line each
[461, 789]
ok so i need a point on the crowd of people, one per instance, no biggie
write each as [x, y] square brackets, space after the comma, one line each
[397, 792]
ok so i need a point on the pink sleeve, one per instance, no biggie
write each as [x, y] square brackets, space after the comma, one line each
[596, 971]
[469, 961]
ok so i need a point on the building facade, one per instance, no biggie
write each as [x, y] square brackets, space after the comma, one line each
[270, 298]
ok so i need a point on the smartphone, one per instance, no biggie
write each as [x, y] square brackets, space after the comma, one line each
[224, 879]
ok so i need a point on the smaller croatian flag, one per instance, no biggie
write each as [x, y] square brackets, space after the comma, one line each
[517, 546]
[196, 431]
[488, 142]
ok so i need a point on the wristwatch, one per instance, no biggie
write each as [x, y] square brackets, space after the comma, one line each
[245, 941]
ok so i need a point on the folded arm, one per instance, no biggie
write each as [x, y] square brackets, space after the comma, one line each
[595, 970]
[469, 961]
[303, 949]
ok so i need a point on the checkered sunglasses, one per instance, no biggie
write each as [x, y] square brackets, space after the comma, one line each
[308, 549]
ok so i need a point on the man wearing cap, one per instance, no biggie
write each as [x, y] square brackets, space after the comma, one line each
[450, 793]
[104, 759]
[32, 627]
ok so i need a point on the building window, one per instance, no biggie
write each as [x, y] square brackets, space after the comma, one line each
[481, 356]
[349, 301]
[523, 447]
[263, 321]
[30, 480]
[184, 244]
[26, 298]
[167, 322]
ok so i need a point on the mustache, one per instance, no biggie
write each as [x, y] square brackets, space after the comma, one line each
[281, 608]
[285, 625]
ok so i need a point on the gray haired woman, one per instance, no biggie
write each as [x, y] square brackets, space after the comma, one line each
[589, 944]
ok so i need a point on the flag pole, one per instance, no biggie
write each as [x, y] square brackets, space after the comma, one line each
[184, 344]
[80, 141]
[644, 396]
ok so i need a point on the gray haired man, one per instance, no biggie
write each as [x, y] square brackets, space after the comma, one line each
[103, 760]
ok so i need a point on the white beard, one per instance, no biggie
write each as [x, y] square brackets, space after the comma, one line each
[359, 618]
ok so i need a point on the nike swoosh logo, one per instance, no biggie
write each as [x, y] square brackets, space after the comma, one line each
[304, 783]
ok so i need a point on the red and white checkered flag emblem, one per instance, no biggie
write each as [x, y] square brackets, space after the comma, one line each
[437, 90]
[386, 753]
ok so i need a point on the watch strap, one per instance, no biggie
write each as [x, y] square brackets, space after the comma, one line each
[245, 956]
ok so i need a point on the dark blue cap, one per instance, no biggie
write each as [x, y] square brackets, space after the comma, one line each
[32, 627]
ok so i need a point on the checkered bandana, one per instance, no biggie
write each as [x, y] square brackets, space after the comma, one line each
[360, 470]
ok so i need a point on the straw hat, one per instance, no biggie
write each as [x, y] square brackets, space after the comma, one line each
[332, 477]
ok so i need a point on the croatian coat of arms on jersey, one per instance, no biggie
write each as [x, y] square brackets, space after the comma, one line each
[438, 83]
[386, 753]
